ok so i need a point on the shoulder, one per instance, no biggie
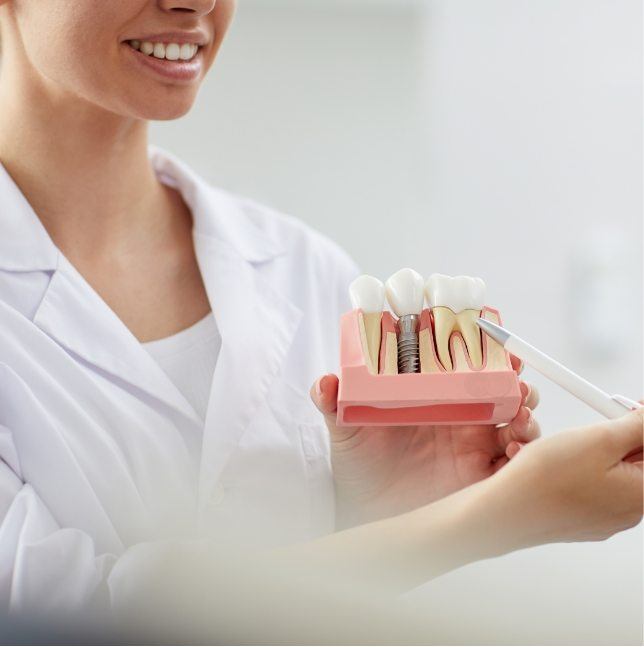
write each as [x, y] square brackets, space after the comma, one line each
[248, 223]
[297, 238]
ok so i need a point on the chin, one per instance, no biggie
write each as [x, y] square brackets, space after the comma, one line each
[162, 110]
[166, 114]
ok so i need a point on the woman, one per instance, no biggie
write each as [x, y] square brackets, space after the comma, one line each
[132, 416]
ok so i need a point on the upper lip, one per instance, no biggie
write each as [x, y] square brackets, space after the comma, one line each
[194, 37]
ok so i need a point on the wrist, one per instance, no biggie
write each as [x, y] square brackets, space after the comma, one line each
[499, 516]
[482, 521]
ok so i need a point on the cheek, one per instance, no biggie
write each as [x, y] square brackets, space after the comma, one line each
[71, 43]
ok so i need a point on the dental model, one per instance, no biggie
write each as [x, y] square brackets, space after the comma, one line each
[405, 296]
[456, 304]
[454, 375]
[368, 294]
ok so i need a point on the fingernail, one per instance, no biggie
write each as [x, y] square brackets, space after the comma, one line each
[318, 387]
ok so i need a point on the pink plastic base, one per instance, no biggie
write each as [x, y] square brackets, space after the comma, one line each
[457, 398]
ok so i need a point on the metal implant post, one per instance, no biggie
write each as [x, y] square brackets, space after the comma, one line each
[408, 353]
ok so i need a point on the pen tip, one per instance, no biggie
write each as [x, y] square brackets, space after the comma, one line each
[493, 330]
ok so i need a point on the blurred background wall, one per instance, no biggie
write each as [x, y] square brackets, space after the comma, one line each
[500, 138]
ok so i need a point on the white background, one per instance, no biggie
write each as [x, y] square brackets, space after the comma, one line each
[501, 138]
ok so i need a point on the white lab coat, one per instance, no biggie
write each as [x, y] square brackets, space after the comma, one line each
[101, 455]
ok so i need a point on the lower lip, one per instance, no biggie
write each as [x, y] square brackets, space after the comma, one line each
[179, 71]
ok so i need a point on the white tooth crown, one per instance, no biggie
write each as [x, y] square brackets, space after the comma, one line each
[405, 292]
[169, 51]
[456, 303]
[368, 294]
[457, 293]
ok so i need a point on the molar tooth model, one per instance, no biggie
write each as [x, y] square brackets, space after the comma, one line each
[427, 365]
[456, 304]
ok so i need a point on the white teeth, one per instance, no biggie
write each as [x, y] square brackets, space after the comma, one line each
[457, 293]
[405, 292]
[168, 51]
[187, 51]
[456, 304]
[367, 293]
[172, 51]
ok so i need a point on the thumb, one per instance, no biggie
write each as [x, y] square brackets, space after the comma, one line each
[628, 434]
[324, 394]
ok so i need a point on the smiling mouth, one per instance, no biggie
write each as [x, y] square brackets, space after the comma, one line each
[167, 51]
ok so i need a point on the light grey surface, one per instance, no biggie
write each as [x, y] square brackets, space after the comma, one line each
[500, 138]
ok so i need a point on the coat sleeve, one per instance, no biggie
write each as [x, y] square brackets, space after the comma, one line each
[55, 572]
[44, 568]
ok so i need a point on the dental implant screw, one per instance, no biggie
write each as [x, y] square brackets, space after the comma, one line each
[408, 352]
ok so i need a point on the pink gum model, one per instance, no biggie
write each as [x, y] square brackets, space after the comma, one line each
[462, 397]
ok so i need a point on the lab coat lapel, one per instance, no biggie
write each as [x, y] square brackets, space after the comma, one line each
[256, 322]
[257, 325]
[73, 314]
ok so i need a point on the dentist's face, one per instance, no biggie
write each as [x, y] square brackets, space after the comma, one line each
[92, 49]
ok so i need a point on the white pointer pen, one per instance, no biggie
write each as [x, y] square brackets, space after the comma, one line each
[611, 406]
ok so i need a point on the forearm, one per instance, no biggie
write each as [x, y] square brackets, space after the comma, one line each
[400, 553]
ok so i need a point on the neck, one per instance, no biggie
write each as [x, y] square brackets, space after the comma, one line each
[84, 170]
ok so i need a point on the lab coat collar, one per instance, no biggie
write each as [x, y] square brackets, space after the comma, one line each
[215, 212]
[26, 246]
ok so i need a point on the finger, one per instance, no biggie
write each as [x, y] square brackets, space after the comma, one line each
[530, 395]
[626, 434]
[324, 394]
[517, 364]
[524, 429]
[513, 449]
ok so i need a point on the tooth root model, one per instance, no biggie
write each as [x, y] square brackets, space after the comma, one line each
[389, 346]
[496, 355]
[405, 295]
[428, 361]
[456, 304]
[368, 294]
[459, 354]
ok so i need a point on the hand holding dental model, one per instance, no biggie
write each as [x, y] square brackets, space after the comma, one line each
[385, 469]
